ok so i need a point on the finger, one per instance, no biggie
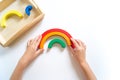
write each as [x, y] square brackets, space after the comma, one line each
[82, 43]
[79, 42]
[31, 41]
[39, 38]
[38, 52]
[71, 49]
[75, 43]
[28, 43]
[35, 40]
[38, 41]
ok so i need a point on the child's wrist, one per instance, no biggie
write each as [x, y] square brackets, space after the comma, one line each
[22, 64]
[82, 63]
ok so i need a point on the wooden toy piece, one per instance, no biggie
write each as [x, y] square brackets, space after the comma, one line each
[28, 9]
[56, 31]
[57, 40]
[53, 34]
[9, 14]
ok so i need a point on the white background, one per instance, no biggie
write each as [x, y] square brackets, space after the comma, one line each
[95, 22]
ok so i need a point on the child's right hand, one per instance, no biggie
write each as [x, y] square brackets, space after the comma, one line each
[79, 52]
[32, 52]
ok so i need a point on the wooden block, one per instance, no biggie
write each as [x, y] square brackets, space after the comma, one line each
[15, 26]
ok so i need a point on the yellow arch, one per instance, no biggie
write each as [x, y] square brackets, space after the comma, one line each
[7, 15]
[52, 34]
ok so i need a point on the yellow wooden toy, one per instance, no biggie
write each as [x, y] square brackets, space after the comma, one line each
[9, 14]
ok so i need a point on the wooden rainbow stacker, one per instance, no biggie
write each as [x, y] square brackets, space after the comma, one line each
[17, 17]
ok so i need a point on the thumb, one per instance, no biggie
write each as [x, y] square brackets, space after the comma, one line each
[71, 49]
[38, 52]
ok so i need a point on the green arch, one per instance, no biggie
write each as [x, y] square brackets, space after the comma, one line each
[57, 40]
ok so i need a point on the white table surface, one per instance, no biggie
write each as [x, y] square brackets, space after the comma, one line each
[95, 22]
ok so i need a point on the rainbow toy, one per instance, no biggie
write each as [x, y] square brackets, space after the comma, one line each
[56, 32]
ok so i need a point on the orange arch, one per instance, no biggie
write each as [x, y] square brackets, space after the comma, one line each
[52, 34]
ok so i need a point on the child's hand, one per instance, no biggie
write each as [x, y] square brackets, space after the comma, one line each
[32, 52]
[79, 52]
